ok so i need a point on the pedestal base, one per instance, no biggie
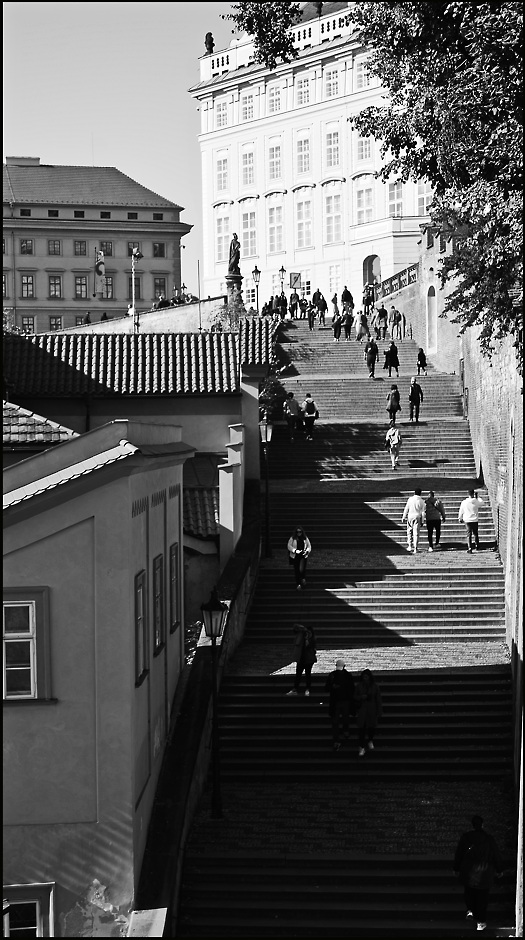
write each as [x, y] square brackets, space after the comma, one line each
[236, 307]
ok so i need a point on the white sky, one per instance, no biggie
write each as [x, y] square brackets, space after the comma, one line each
[106, 84]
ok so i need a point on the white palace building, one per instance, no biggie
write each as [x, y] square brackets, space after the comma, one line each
[284, 169]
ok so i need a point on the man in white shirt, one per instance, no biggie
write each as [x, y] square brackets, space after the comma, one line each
[469, 514]
[413, 516]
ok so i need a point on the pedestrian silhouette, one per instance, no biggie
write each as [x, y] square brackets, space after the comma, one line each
[476, 861]
[305, 656]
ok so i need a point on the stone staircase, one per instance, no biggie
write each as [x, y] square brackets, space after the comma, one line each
[318, 843]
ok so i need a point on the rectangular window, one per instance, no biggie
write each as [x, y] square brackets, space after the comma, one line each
[364, 148]
[334, 279]
[159, 287]
[107, 289]
[138, 288]
[158, 216]
[131, 246]
[362, 75]
[275, 228]
[55, 323]
[332, 148]
[334, 229]
[250, 295]
[274, 99]
[105, 215]
[141, 628]
[159, 634]
[248, 233]
[274, 162]
[55, 285]
[28, 286]
[223, 237]
[78, 214]
[303, 91]
[304, 224]
[222, 174]
[30, 911]
[26, 644]
[248, 168]
[79, 321]
[52, 213]
[395, 199]
[25, 213]
[364, 206]
[53, 247]
[107, 249]
[221, 114]
[159, 249]
[174, 588]
[133, 216]
[4, 285]
[81, 286]
[303, 155]
[80, 248]
[26, 246]
[28, 324]
[247, 108]
[332, 83]
[424, 198]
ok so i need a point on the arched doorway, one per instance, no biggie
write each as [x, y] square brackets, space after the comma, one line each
[372, 270]
[431, 321]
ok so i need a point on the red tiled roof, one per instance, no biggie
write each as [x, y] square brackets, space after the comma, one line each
[64, 364]
[25, 427]
[201, 511]
[79, 186]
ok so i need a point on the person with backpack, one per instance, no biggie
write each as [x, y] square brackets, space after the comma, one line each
[393, 443]
[299, 548]
[305, 655]
[393, 404]
[415, 398]
[476, 861]
[340, 687]
[310, 414]
[392, 359]
[434, 516]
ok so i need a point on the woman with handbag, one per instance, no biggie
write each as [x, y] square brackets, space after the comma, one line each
[305, 656]
[299, 549]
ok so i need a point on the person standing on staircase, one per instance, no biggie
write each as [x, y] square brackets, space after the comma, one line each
[382, 320]
[299, 548]
[310, 415]
[305, 656]
[434, 516]
[312, 312]
[340, 686]
[393, 441]
[292, 414]
[294, 303]
[337, 322]
[347, 300]
[371, 357]
[476, 861]
[348, 319]
[469, 514]
[415, 399]
[369, 710]
[413, 516]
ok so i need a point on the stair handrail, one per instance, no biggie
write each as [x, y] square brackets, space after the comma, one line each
[397, 281]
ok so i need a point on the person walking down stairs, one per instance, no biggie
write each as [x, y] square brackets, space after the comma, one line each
[310, 415]
[476, 861]
[393, 442]
[371, 357]
[415, 399]
[369, 710]
[413, 516]
[299, 548]
[305, 655]
[340, 687]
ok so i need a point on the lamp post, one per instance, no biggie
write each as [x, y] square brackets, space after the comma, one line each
[266, 431]
[214, 615]
[282, 272]
[256, 274]
[135, 256]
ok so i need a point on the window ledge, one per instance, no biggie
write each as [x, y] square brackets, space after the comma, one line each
[31, 701]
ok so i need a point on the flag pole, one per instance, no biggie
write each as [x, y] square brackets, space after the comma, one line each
[199, 290]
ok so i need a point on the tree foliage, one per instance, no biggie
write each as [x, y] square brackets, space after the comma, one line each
[453, 116]
[268, 25]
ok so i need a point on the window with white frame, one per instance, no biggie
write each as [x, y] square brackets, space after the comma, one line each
[221, 114]
[222, 237]
[362, 75]
[332, 148]
[28, 324]
[274, 161]
[222, 171]
[247, 108]
[30, 910]
[274, 99]
[248, 167]
[424, 197]
[334, 279]
[303, 153]
[28, 286]
[333, 217]
[159, 287]
[364, 148]
[26, 644]
[331, 83]
[107, 287]
[306, 283]
[81, 286]
[302, 91]
[364, 204]
[275, 227]
[55, 286]
[395, 199]
[55, 324]
[248, 227]
[276, 285]
[26, 246]
[249, 294]
[303, 214]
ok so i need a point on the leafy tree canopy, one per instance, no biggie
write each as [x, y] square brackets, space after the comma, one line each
[268, 25]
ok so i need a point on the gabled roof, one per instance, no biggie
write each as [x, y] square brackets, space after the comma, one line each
[25, 427]
[99, 364]
[79, 186]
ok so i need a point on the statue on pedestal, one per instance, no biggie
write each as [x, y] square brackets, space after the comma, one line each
[209, 43]
[235, 254]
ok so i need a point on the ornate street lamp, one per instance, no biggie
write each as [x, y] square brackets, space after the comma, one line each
[282, 272]
[256, 274]
[266, 431]
[214, 615]
[135, 256]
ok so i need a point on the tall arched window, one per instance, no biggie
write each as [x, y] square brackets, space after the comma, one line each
[431, 321]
